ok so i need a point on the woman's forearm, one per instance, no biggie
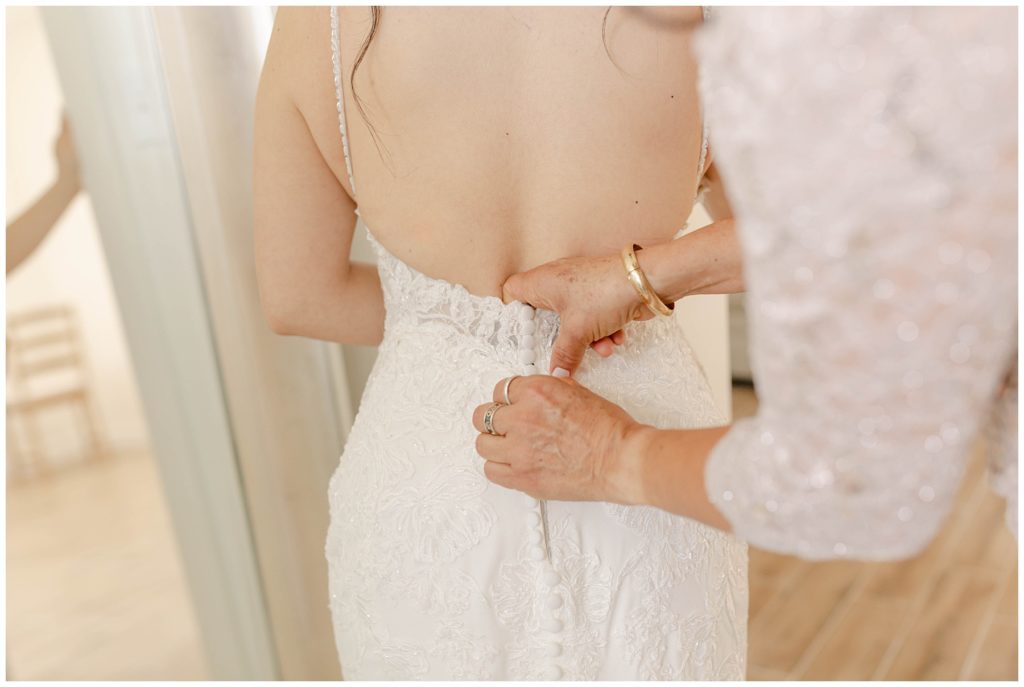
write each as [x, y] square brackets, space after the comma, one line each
[359, 314]
[350, 310]
[26, 232]
[665, 469]
[702, 262]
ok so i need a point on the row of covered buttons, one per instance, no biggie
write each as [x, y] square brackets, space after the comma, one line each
[534, 517]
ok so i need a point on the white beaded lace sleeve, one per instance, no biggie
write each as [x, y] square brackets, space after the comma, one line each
[871, 161]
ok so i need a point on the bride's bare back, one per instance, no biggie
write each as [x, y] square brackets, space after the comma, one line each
[505, 137]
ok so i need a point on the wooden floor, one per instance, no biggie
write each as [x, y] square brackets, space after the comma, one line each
[949, 614]
[94, 585]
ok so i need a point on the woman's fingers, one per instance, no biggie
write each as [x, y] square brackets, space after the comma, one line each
[500, 473]
[498, 423]
[507, 389]
[491, 449]
[604, 347]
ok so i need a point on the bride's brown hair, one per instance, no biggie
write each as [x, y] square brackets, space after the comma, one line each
[374, 23]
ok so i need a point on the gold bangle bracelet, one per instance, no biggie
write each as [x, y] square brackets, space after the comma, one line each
[639, 281]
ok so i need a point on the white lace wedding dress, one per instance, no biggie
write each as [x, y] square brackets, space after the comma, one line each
[436, 573]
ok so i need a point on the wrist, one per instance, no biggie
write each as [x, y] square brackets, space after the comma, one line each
[661, 267]
[634, 302]
[624, 479]
[637, 277]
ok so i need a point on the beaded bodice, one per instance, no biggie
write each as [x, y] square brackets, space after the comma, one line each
[441, 311]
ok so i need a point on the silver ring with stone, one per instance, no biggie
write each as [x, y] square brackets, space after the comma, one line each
[489, 418]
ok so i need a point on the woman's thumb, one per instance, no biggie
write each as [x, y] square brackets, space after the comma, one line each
[568, 351]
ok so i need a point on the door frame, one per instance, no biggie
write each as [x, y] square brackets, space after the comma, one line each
[108, 63]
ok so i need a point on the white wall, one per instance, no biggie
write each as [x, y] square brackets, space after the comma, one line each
[705, 321]
[69, 266]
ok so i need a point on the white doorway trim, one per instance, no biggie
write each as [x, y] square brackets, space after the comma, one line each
[109, 68]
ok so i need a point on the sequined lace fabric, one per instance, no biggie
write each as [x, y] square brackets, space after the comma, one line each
[436, 573]
[871, 160]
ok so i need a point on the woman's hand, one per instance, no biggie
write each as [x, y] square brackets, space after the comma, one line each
[593, 298]
[560, 441]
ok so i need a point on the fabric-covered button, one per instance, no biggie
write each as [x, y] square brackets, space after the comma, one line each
[527, 356]
[555, 601]
[529, 327]
[528, 341]
[535, 536]
[553, 673]
[537, 553]
[525, 313]
[554, 649]
[531, 369]
[553, 625]
[532, 518]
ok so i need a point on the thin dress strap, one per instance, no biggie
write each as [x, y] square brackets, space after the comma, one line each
[336, 59]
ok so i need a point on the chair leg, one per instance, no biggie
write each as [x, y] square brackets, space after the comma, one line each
[15, 448]
[37, 449]
[97, 445]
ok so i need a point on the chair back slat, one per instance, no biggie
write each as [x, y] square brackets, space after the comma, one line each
[43, 342]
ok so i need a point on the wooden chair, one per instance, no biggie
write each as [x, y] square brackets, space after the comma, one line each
[45, 368]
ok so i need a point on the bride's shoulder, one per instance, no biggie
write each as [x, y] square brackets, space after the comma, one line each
[293, 43]
[298, 63]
